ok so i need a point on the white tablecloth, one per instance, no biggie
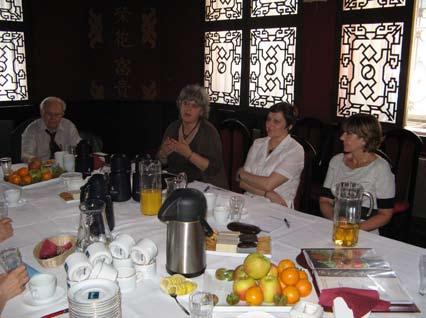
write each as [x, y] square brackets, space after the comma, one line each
[46, 214]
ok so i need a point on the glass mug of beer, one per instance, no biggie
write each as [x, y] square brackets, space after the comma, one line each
[347, 212]
[150, 201]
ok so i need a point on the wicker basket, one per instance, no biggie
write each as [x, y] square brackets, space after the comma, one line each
[59, 240]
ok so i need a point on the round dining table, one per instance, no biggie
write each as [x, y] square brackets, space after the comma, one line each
[45, 214]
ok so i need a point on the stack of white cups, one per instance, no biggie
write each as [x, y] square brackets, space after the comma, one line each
[125, 262]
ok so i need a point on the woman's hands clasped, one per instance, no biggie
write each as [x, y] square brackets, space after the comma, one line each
[172, 145]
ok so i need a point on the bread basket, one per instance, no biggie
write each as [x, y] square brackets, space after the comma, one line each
[59, 240]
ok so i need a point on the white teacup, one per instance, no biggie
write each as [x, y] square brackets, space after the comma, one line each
[42, 286]
[128, 278]
[148, 271]
[121, 246]
[73, 180]
[98, 252]
[144, 252]
[122, 262]
[12, 196]
[221, 214]
[77, 267]
[211, 201]
[104, 271]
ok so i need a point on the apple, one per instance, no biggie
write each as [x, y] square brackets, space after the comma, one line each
[256, 265]
[273, 271]
[239, 273]
[241, 285]
[271, 287]
[34, 164]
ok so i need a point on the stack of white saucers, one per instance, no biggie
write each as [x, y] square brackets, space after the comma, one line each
[99, 298]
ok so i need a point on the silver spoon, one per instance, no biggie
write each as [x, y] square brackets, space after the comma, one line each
[173, 295]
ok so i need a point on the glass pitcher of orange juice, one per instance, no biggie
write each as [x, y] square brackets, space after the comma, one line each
[347, 212]
[150, 171]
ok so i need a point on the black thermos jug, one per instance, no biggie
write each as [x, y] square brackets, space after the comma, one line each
[83, 160]
[120, 178]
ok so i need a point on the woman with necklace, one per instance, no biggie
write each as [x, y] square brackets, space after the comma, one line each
[192, 144]
[359, 163]
[274, 163]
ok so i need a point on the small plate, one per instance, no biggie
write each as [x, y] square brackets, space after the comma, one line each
[93, 290]
[30, 301]
[20, 202]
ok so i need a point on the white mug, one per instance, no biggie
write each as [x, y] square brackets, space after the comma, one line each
[42, 286]
[148, 271]
[221, 214]
[98, 252]
[104, 271]
[128, 278]
[144, 252]
[211, 201]
[121, 246]
[77, 266]
[12, 196]
[59, 158]
[122, 262]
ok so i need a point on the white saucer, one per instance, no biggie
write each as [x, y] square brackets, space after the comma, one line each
[29, 300]
[256, 314]
[20, 202]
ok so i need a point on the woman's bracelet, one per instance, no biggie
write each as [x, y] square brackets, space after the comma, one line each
[189, 157]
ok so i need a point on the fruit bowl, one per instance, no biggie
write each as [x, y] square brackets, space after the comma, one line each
[58, 260]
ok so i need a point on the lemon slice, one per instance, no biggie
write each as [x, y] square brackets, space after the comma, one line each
[177, 284]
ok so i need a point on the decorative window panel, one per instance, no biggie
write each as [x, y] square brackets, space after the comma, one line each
[11, 10]
[223, 10]
[222, 66]
[13, 74]
[369, 68]
[371, 4]
[272, 66]
[263, 8]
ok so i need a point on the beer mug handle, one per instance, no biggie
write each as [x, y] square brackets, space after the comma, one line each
[371, 198]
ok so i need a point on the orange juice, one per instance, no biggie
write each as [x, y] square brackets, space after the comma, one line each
[345, 234]
[150, 201]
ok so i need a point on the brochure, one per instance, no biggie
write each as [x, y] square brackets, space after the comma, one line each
[359, 268]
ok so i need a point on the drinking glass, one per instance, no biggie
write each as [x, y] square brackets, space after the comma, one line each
[6, 166]
[3, 210]
[201, 305]
[236, 203]
[10, 259]
[422, 271]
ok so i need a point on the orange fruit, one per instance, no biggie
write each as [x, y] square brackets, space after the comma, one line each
[254, 296]
[282, 284]
[26, 180]
[285, 263]
[289, 276]
[47, 175]
[22, 171]
[304, 287]
[302, 274]
[15, 179]
[292, 294]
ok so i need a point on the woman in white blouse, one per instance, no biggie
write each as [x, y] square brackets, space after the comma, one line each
[274, 163]
[359, 163]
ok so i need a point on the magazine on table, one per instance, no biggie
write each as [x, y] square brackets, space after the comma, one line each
[359, 268]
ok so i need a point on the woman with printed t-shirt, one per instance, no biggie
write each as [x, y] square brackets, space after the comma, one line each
[359, 163]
